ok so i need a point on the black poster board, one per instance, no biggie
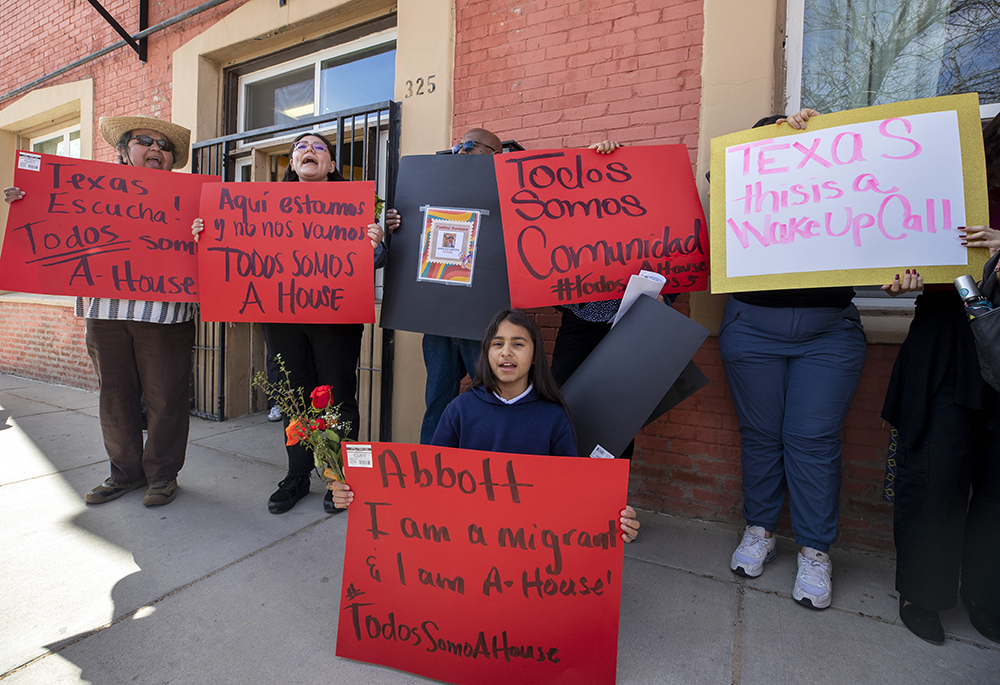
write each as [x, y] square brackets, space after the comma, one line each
[460, 311]
[622, 383]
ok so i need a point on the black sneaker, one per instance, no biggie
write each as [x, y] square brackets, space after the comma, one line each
[289, 491]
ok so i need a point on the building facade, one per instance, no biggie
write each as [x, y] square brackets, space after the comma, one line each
[546, 73]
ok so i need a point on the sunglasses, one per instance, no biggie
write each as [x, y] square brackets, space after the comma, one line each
[468, 146]
[146, 141]
[302, 146]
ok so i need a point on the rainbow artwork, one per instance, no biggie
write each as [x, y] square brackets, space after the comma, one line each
[448, 245]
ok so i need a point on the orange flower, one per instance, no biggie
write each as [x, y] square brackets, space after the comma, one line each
[296, 431]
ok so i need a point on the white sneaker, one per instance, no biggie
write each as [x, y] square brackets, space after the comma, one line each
[813, 586]
[754, 551]
[275, 414]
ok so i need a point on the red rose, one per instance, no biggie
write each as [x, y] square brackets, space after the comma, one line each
[322, 396]
[318, 425]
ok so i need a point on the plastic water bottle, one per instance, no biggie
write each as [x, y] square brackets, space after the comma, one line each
[975, 304]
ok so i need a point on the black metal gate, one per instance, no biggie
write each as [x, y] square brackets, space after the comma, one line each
[359, 158]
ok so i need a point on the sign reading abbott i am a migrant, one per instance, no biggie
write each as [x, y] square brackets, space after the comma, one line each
[577, 224]
[479, 568]
[287, 252]
[850, 200]
[101, 230]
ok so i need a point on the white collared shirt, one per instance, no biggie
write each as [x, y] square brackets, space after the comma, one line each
[519, 397]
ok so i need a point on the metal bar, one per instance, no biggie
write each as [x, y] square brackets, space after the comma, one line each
[132, 43]
[143, 25]
[388, 335]
[194, 11]
[305, 123]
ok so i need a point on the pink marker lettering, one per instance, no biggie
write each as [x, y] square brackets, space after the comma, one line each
[745, 149]
[810, 153]
[910, 221]
[763, 161]
[866, 182]
[856, 144]
[741, 233]
[883, 128]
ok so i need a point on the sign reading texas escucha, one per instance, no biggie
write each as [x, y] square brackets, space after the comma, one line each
[479, 568]
[850, 200]
[97, 229]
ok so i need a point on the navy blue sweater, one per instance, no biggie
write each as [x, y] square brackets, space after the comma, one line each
[477, 420]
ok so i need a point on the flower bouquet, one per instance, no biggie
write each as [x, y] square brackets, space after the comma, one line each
[316, 424]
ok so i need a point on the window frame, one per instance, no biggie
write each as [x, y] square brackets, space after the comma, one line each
[315, 59]
[64, 132]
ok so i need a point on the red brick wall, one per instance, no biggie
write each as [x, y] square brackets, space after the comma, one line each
[46, 343]
[568, 73]
[42, 36]
[43, 342]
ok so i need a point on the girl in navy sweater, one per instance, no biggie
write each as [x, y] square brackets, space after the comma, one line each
[514, 405]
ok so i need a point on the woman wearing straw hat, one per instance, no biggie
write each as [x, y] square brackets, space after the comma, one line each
[139, 348]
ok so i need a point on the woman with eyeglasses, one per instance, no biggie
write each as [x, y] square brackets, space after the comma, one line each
[141, 349]
[318, 354]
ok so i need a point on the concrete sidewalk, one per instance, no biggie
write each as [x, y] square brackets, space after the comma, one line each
[214, 589]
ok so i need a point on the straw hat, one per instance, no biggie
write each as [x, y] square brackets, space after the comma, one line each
[113, 128]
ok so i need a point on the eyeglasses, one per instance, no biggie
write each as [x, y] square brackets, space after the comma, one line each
[302, 146]
[468, 146]
[146, 141]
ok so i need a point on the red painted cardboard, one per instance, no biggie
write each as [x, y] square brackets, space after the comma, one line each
[101, 230]
[578, 224]
[287, 252]
[475, 567]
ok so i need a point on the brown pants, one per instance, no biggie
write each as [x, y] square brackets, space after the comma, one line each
[133, 359]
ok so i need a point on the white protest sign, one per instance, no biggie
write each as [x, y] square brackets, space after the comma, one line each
[843, 199]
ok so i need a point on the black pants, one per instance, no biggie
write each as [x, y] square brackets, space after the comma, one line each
[942, 536]
[319, 354]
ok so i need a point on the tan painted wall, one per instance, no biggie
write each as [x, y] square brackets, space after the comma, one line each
[425, 47]
[738, 87]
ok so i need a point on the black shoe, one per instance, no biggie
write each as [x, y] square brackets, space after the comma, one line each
[983, 621]
[923, 623]
[289, 491]
[328, 504]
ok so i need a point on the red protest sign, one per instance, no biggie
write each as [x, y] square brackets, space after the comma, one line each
[101, 230]
[474, 567]
[287, 252]
[578, 224]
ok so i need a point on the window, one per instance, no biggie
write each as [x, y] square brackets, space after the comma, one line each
[846, 54]
[65, 143]
[357, 73]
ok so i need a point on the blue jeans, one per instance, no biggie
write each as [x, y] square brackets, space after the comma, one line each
[792, 373]
[447, 361]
